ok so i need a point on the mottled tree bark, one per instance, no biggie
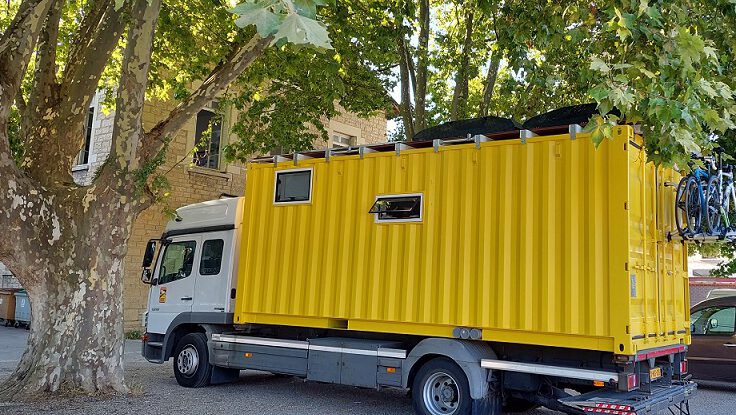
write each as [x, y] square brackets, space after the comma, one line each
[66, 243]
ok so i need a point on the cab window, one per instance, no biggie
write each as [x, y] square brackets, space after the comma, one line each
[177, 261]
[713, 321]
[211, 257]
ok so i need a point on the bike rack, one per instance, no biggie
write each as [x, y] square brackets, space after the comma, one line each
[702, 237]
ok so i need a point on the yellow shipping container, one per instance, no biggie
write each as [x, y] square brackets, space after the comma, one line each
[545, 241]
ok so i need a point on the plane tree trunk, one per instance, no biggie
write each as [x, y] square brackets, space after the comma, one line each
[66, 243]
[73, 272]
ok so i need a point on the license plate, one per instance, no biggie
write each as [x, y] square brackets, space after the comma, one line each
[655, 373]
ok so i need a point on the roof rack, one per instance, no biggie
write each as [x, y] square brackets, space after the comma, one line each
[573, 130]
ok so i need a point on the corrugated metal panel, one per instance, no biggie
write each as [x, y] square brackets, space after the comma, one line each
[527, 242]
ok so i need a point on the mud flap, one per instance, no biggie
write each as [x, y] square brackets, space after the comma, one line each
[491, 404]
[223, 375]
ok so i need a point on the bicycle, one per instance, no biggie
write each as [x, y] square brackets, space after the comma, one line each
[721, 199]
[690, 199]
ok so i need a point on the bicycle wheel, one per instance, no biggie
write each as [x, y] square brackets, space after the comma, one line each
[693, 206]
[681, 207]
[713, 206]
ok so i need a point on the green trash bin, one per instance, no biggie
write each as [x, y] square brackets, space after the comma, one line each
[22, 309]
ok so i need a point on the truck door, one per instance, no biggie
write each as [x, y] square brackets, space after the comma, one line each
[712, 354]
[172, 291]
[212, 287]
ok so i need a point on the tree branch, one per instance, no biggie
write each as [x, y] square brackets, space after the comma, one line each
[94, 43]
[404, 79]
[420, 96]
[490, 84]
[239, 59]
[16, 47]
[131, 94]
[54, 133]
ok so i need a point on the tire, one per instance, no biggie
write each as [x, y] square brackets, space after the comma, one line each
[713, 207]
[516, 405]
[192, 367]
[440, 387]
[681, 207]
[693, 207]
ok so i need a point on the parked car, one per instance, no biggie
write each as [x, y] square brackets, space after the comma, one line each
[712, 354]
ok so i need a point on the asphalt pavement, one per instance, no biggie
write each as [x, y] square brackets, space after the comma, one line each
[155, 391]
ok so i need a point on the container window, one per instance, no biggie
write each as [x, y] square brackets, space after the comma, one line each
[293, 186]
[177, 262]
[211, 257]
[398, 208]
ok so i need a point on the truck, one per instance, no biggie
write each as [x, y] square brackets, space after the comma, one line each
[497, 271]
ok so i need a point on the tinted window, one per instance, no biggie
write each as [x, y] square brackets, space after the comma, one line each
[398, 208]
[714, 321]
[207, 139]
[177, 262]
[293, 186]
[211, 257]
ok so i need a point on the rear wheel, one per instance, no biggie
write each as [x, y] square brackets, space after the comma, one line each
[681, 206]
[441, 388]
[713, 206]
[192, 367]
[693, 206]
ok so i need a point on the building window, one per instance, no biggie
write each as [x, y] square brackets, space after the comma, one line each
[293, 186]
[340, 140]
[211, 257]
[398, 208]
[207, 138]
[83, 156]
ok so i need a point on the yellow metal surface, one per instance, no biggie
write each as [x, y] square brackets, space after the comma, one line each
[551, 242]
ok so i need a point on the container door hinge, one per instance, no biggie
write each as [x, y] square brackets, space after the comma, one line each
[626, 205]
[626, 266]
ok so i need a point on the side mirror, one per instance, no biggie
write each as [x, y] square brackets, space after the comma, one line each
[146, 275]
[150, 252]
[713, 323]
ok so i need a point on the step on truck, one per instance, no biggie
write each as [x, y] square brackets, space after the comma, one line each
[488, 273]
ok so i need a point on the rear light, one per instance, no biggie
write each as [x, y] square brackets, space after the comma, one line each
[683, 366]
[145, 338]
[606, 408]
[632, 381]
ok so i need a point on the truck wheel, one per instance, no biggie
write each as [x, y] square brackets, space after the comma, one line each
[441, 388]
[191, 361]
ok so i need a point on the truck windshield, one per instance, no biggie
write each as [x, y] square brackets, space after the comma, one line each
[177, 262]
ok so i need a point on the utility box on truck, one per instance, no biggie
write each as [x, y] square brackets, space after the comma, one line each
[542, 241]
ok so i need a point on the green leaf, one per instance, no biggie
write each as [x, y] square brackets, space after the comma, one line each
[301, 30]
[266, 22]
[597, 64]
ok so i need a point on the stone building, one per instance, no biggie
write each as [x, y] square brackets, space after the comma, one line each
[195, 176]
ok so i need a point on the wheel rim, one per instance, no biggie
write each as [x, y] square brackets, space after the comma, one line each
[188, 360]
[441, 394]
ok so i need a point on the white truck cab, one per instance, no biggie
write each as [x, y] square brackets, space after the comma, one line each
[195, 272]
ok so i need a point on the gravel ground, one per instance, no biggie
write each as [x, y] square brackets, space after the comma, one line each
[156, 392]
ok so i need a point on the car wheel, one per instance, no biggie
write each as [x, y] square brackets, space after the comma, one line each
[192, 368]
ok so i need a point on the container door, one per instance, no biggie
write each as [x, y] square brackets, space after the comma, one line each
[671, 259]
[643, 267]
[173, 290]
